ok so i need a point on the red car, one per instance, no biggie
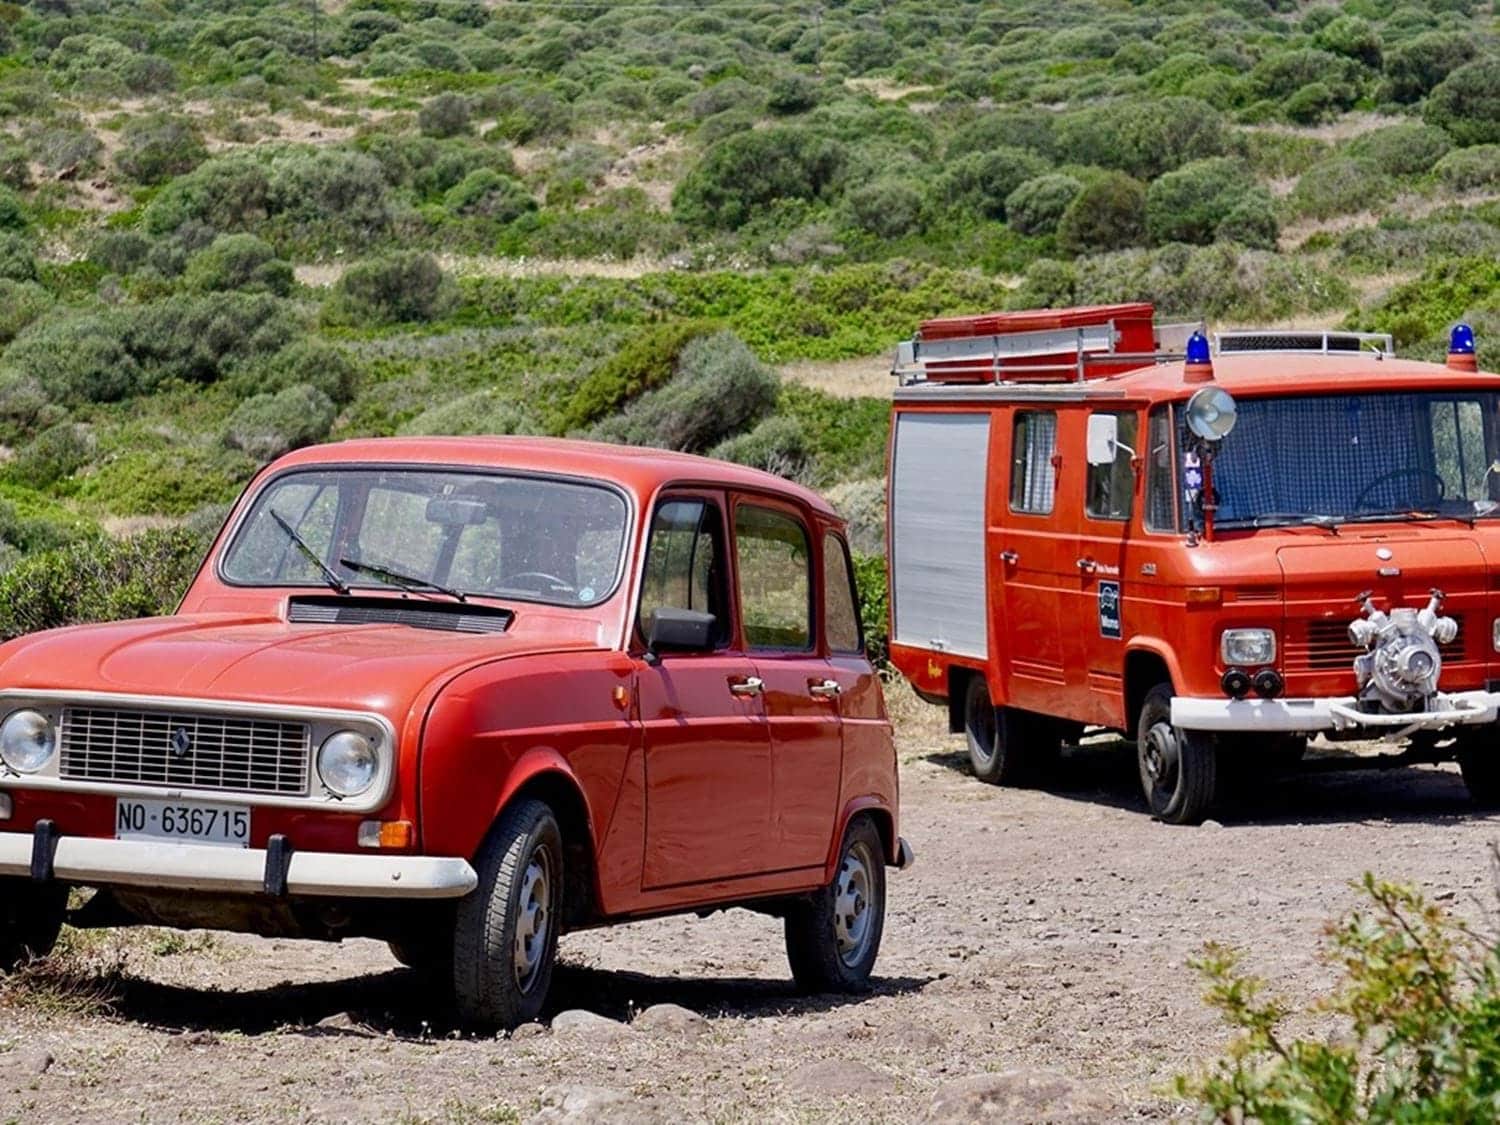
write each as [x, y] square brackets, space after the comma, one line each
[464, 695]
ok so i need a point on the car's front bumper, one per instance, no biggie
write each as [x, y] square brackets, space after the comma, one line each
[200, 867]
[1307, 716]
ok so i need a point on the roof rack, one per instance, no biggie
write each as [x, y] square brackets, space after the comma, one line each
[1325, 341]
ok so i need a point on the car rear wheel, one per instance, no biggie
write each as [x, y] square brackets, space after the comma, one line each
[1178, 768]
[506, 930]
[833, 936]
[998, 737]
[31, 917]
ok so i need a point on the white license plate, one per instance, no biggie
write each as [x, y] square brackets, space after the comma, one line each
[195, 823]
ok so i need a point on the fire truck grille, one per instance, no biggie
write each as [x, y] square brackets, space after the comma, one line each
[1323, 646]
[194, 751]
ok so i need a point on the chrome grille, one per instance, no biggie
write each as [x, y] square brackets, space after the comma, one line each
[235, 753]
[1323, 645]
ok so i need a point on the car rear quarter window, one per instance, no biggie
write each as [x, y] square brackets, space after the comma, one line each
[840, 608]
[774, 560]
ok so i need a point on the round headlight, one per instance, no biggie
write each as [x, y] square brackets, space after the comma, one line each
[1211, 413]
[347, 763]
[26, 741]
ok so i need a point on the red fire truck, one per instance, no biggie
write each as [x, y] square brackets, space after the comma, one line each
[1221, 547]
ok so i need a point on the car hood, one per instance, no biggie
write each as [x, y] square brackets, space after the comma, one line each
[371, 667]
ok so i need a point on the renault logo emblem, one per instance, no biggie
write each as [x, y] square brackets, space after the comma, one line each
[182, 743]
[1384, 554]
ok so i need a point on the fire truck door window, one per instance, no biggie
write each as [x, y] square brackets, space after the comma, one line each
[685, 564]
[1032, 474]
[774, 561]
[1110, 486]
[1161, 514]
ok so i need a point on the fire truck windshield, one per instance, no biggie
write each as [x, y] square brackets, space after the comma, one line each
[1325, 459]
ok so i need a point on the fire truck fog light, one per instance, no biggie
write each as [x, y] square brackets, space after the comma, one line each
[1248, 646]
[1267, 684]
[385, 834]
[1236, 683]
[7, 809]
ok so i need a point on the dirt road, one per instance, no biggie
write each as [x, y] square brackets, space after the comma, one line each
[1035, 957]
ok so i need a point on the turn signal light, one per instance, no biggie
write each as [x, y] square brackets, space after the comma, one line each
[1205, 595]
[386, 834]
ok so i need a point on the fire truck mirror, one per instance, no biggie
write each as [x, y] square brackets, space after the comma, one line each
[1103, 439]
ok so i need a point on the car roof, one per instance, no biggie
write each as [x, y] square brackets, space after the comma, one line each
[638, 469]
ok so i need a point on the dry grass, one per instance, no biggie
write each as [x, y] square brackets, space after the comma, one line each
[867, 377]
[83, 977]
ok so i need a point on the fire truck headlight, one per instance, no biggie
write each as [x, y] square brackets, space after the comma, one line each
[1248, 646]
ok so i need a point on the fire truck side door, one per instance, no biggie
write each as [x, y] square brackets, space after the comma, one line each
[1034, 557]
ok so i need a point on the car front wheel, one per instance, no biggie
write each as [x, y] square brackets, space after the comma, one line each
[833, 936]
[506, 930]
[31, 917]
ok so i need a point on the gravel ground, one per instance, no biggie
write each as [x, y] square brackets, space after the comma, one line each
[1034, 963]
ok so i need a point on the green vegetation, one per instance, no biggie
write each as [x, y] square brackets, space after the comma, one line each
[229, 228]
[1418, 1036]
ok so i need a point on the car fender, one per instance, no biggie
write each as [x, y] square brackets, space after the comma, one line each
[543, 762]
[885, 824]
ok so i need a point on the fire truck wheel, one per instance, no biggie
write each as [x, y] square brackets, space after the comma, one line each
[997, 737]
[31, 916]
[833, 935]
[505, 933]
[1178, 768]
[1481, 770]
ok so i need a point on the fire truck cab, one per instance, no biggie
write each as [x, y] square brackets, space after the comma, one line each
[1219, 547]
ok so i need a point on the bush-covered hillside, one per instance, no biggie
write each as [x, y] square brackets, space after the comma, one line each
[228, 228]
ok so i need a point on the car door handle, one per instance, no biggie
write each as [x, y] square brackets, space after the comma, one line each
[747, 685]
[1010, 558]
[1087, 565]
[825, 689]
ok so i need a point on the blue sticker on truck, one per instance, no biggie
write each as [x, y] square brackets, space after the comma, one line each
[1109, 609]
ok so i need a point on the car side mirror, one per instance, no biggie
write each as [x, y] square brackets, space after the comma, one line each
[1103, 439]
[680, 630]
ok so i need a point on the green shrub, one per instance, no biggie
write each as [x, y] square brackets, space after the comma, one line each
[241, 262]
[308, 360]
[480, 412]
[981, 181]
[17, 263]
[644, 362]
[157, 147]
[1187, 205]
[12, 213]
[1251, 222]
[1107, 214]
[401, 287]
[527, 113]
[1352, 37]
[170, 478]
[874, 605]
[1420, 998]
[446, 115]
[100, 580]
[1038, 204]
[1312, 104]
[720, 390]
[1282, 74]
[1143, 137]
[1470, 169]
[887, 207]
[74, 359]
[1414, 68]
[57, 452]
[227, 193]
[777, 444]
[1467, 103]
[21, 303]
[1408, 149]
[201, 339]
[792, 93]
[488, 194]
[360, 30]
[1446, 291]
[269, 425]
[862, 504]
[1340, 186]
[748, 171]
[846, 437]
[329, 195]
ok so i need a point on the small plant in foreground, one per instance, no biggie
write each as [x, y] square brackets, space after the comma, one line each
[1420, 998]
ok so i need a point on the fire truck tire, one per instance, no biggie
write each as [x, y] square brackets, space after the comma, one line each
[1179, 769]
[506, 929]
[1481, 771]
[997, 737]
[31, 917]
[833, 936]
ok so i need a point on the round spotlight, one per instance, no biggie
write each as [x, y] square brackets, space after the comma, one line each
[1211, 413]
[1268, 684]
[1236, 683]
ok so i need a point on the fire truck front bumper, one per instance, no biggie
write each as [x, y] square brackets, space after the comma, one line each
[1307, 716]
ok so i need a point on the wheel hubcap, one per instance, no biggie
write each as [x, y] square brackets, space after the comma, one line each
[533, 920]
[982, 724]
[1159, 757]
[853, 913]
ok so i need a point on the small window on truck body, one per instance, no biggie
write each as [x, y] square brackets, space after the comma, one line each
[1033, 476]
[1111, 486]
[1161, 492]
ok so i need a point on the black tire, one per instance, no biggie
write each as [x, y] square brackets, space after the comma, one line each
[426, 951]
[1178, 768]
[31, 917]
[1481, 771]
[833, 935]
[496, 983]
[999, 752]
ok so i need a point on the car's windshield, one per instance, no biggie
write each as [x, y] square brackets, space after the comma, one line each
[434, 532]
[1326, 458]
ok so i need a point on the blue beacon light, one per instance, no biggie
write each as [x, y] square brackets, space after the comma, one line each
[1197, 348]
[1461, 341]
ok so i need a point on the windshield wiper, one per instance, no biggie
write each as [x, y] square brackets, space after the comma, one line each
[396, 578]
[1410, 516]
[308, 553]
[1287, 519]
